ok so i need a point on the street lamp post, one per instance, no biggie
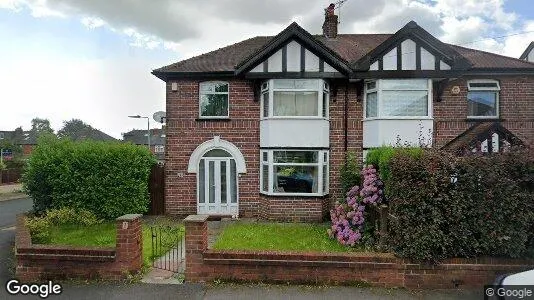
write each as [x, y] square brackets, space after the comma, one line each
[148, 129]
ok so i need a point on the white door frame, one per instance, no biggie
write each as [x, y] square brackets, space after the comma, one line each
[217, 207]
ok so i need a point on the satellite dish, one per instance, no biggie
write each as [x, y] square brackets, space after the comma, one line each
[160, 117]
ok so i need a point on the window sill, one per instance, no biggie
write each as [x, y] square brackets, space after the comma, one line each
[294, 195]
[397, 118]
[213, 119]
[295, 118]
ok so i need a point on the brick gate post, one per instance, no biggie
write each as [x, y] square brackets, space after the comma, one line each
[196, 242]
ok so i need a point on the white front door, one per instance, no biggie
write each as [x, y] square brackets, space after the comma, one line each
[217, 186]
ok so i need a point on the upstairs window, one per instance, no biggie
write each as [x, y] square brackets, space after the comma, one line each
[398, 98]
[213, 99]
[287, 98]
[483, 98]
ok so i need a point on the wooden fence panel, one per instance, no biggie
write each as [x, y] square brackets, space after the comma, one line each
[156, 189]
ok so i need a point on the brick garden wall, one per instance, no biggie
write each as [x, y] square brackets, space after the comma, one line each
[52, 262]
[185, 133]
[377, 269]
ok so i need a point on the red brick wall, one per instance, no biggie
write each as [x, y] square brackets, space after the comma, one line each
[516, 104]
[185, 133]
[51, 262]
[377, 269]
[27, 149]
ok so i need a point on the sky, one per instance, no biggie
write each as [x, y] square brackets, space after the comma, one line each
[91, 59]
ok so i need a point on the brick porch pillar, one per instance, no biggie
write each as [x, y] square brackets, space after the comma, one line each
[129, 249]
[196, 242]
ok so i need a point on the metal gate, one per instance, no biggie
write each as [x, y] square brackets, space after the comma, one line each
[168, 248]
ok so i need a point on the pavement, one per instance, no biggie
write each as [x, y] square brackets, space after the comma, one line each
[98, 290]
[11, 191]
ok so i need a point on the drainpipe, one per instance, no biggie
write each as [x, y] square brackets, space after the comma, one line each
[345, 116]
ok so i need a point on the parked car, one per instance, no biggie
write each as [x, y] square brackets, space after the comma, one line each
[521, 280]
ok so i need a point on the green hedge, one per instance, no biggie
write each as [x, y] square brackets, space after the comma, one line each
[381, 158]
[107, 178]
[443, 206]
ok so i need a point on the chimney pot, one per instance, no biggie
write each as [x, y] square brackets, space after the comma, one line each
[330, 22]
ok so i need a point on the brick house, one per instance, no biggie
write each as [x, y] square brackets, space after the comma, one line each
[261, 127]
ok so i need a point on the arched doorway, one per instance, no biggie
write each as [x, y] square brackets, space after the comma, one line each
[217, 164]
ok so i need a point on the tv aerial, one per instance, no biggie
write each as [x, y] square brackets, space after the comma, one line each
[160, 117]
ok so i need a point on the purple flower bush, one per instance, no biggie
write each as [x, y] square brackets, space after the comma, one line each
[348, 215]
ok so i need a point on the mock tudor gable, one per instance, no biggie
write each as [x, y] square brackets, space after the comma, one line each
[293, 53]
[261, 128]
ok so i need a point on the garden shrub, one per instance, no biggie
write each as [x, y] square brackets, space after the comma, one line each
[350, 172]
[40, 226]
[70, 216]
[445, 206]
[40, 229]
[349, 215]
[107, 178]
[381, 157]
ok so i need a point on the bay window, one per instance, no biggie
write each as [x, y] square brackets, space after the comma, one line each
[398, 98]
[483, 98]
[294, 172]
[290, 98]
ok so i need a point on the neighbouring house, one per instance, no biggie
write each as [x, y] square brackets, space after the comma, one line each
[157, 140]
[261, 128]
[528, 54]
[28, 139]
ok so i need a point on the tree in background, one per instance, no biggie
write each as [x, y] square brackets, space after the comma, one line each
[41, 126]
[75, 129]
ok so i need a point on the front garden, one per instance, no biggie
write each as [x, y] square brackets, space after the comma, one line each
[80, 188]
[440, 206]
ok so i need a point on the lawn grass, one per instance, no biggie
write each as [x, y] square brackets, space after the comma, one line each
[280, 237]
[104, 235]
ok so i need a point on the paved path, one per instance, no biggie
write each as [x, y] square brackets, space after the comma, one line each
[10, 208]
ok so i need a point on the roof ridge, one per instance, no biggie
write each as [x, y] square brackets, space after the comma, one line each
[495, 54]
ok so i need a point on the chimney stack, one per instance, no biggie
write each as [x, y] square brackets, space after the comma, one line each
[330, 22]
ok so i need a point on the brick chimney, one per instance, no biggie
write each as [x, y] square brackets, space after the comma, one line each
[330, 22]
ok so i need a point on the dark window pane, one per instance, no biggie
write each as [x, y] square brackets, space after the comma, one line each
[224, 186]
[217, 153]
[233, 181]
[295, 179]
[214, 105]
[482, 103]
[201, 182]
[295, 156]
[265, 174]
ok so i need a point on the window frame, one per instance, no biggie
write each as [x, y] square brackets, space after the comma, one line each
[379, 89]
[320, 164]
[496, 90]
[200, 93]
[322, 88]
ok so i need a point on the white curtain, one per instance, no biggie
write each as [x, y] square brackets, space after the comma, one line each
[295, 103]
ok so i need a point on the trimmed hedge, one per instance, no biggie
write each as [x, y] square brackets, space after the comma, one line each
[107, 178]
[381, 158]
[444, 206]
